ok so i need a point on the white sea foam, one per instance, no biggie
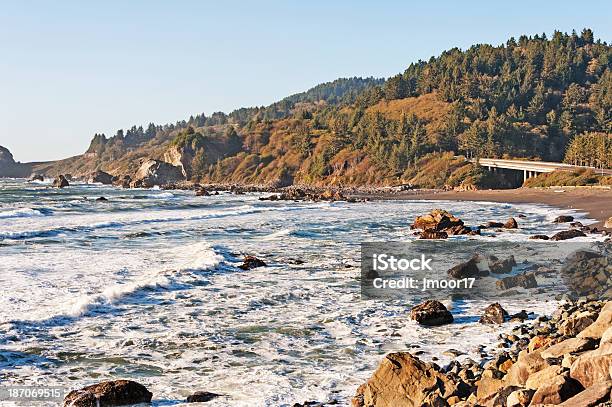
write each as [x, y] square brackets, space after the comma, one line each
[20, 213]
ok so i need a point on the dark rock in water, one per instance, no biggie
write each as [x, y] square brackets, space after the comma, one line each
[123, 182]
[251, 262]
[502, 266]
[494, 224]
[202, 192]
[567, 234]
[469, 269]
[538, 237]
[431, 313]
[523, 280]
[37, 177]
[155, 172]
[101, 177]
[519, 316]
[437, 219]
[510, 224]
[563, 219]
[201, 397]
[101, 199]
[60, 182]
[109, 394]
[432, 234]
[494, 314]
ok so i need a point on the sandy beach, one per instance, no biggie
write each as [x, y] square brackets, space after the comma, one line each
[597, 202]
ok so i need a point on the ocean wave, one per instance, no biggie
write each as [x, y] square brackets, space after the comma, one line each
[25, 213]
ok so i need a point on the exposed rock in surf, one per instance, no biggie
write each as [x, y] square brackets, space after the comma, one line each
[527, 280]
[251, 262]
[60, 182]
[563, 219]
[538, 237]
[510, 224]
[494, 314]
[123, 181]
[101, 199]
[431, 313]
[432, 234]
[155, 172]
[109, 394]
[100, 177]
[201, 397]
[202, 192]
[438, 220]
[468, 269]
[501, 266]
[37, 177]
[568, 234]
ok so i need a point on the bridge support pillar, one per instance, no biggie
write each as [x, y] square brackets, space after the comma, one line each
[524, 175]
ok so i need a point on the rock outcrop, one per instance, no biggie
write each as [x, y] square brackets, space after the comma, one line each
[155, 172]
[60, 182]
[100, 177]
[10, 168]
[431, 313]
[109, 394]
[468, 269]
[567, 234]
[494, 314]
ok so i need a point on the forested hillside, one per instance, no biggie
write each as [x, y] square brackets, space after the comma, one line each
[531, 97]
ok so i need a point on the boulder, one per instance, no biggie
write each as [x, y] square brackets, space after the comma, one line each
[110, 393]
[60, 182]
[468, 269]
[563, 219]
[608, 223]
[556, 391]
[201, 397]
[526, 364]
[489, 384]
[437, 219]
[494, 314]
[491, 224]
[607, 336]
[543, 377]
[432, 234]
[575, 324]
[593, 366]
[567, 234]
[499, 398]
[591, 396]
[571, 345]
[402, 380]
[502, 266]
[510, 224]
[100, 177]
[527, 280]
[431, 313]
[601, 324]
[37, 177]
[155, 172]
[538, 237]
[251, 262]
[520, 398]
[123, 182]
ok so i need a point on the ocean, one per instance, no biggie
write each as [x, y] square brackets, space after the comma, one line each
[146, 286]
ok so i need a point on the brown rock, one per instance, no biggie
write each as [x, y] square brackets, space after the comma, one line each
[591, 396]
[100, 177]
[437, 219]
[494, 314]
[563, 219]
[558, 390]
[402, 380]
[571, 345]
[433, 234]
[431, 313]
[108, 394]
[601, 324]
[538, 237]
[502, 266]
[576, 324]
[526, 364]
[510, 224]
[488, 386]
[544, 376]
[468, 269]
[251, 262]
[540, 342]
[527, 280]
[594, 366]
[608, 223]
[60, 182]
[201, 397]
[567, 234]
[519, 398]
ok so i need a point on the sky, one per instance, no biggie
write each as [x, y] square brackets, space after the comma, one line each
[72, 69]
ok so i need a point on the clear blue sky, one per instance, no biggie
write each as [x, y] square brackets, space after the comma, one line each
[71, 69]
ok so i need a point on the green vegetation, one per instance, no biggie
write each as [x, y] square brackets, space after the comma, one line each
[583, 177]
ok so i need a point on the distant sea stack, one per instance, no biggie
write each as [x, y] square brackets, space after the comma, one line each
[10, 168]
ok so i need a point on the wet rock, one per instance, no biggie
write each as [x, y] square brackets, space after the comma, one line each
[468, 269]
[432, 234]
[251, 262]
[202, 192]
[567, 234]
[494, 314]
[100, 177]
[563, 219]
[60, 182]
[494, 224]
[108, 394]
[502, 266]
[123, 182]
[593, 366]
[101, 199]
[201, 397]
[523, 280]
[538, 237]
[510, 224]
[556, 391]
[437, 219]
[37, 177]
[431, 313]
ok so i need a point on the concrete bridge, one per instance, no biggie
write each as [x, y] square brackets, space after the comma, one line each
[533, 168]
